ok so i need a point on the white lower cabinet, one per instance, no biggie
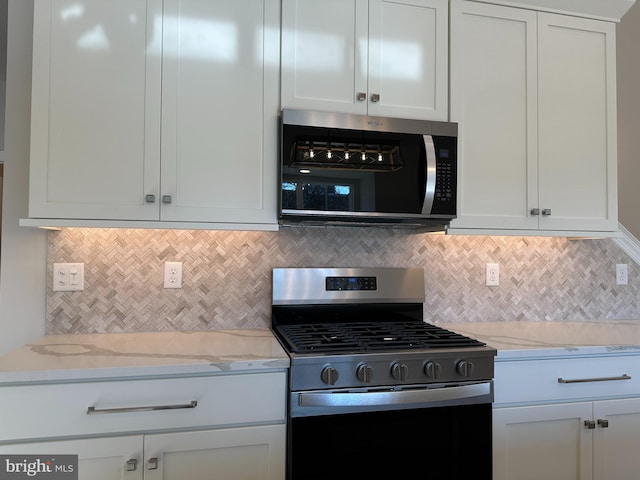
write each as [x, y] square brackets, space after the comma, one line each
[227, 426]
[548, 429]
[542, 442]
[112, 458]
[615, 447]
[248, 453]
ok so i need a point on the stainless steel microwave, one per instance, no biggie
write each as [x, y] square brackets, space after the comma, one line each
[343, 169]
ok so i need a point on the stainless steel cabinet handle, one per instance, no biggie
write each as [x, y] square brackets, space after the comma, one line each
[375, 97]
[604, 423]
[361, 96]
[132, 464]
[624, 376]
[546, 211]
[535, 211]
[166, 199]
[95, 411]
[153, 463]
[590, 424]
[150, 198]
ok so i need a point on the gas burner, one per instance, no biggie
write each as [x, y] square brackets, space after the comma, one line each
[366, 336]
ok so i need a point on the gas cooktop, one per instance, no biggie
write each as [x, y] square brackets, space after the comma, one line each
[369, 336]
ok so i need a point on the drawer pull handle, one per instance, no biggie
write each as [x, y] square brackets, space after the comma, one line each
[153, 463]
[132, 464]
[95, 411]
[624, 376]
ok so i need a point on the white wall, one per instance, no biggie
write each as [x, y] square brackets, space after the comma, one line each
[23, 272]
[629, 120]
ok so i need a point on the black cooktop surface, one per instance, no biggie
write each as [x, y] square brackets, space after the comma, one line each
[336, 337]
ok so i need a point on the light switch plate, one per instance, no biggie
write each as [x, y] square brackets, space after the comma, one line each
[68, 277]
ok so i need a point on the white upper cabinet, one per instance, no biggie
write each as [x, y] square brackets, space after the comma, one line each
[374, 57]
[95, 118]
[534, 95]
[577, 127]
[219, 110]
[612, 10]
[151, 110]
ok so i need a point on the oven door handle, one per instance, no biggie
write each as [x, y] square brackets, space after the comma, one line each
[377, 398]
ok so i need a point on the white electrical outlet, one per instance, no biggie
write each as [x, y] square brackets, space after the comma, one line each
[173, 275]
[68, 277]
[492, 275]
[622, 275]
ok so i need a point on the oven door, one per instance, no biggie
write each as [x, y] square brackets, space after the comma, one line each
[437, 433]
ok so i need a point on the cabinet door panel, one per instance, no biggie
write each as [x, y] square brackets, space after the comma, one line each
[98, 458]
[95, 114]
[250, 453]
[220, 77]
[616, 446]
[577, 123]
[408, 45]
[542, 442]
[324, 54]
[493, 98]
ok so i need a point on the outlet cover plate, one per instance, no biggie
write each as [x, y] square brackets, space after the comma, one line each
[173, 275]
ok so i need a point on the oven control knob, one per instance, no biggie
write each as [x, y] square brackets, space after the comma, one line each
[432, 370]
[329, 375]
[465, 368]
[364, 372]
[399, 371]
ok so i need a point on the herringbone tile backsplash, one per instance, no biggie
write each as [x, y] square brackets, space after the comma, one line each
[227, 276]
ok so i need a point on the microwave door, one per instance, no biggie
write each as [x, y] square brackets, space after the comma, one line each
[430, 187]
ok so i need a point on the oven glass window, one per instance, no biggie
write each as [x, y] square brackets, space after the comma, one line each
[443, 443]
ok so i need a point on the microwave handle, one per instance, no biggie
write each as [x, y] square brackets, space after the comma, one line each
[430, 188]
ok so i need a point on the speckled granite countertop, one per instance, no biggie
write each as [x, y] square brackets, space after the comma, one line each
[520, 339]
[89, 357]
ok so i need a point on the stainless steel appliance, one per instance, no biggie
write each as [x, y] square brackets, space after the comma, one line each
[376, 392]
[353, 170]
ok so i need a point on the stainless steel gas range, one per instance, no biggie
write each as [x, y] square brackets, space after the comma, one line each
[368, 376]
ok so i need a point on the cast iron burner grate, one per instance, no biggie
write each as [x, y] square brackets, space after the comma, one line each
[367, 336]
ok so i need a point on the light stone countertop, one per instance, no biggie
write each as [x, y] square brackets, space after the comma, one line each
[539, 339]
[55, 358]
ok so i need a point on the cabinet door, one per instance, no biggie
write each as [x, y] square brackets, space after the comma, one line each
[493, 99]
[220, 110]
[98, 458]
[249, 453]
[408, 58]
[616, 445]
[95, 115]
[577, 123]
[542, 442]
[324, 55]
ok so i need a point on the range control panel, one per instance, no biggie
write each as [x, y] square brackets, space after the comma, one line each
[333, 284]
